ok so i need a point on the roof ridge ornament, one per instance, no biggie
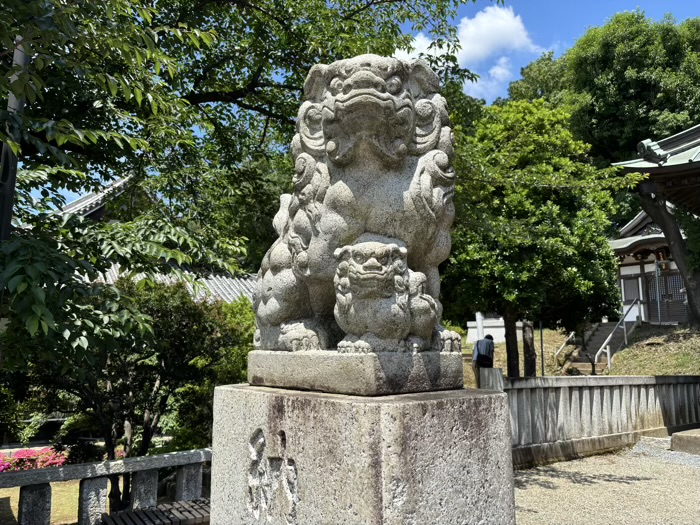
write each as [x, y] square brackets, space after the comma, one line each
[651, 151]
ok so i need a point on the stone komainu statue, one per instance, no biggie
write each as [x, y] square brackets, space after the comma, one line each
[368, 221]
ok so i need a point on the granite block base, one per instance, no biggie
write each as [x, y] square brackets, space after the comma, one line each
[371, 374]
[307, 458]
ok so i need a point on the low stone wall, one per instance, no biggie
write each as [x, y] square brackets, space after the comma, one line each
[35, 488]
[559, 418]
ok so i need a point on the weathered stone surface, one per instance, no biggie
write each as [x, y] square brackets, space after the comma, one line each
[34, 505]
[301, 458]
[188, 483]
[144, 489]
[368, 374]
[491, 379]
[355, 267]
[92, 500]
[688, 441]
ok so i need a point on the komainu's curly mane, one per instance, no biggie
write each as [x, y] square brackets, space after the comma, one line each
[373, 154]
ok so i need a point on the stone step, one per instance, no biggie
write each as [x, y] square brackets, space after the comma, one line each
[585, 368]
[687, 441]
[657, 442]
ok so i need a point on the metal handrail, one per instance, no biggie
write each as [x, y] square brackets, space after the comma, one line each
[606, 344]
[572, 334]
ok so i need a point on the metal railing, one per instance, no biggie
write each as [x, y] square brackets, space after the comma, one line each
[571, 335]
[35, 488]
[605, 347]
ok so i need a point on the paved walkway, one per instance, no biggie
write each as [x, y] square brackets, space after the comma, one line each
[646, 485]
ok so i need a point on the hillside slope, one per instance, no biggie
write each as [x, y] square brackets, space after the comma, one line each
[659, 350]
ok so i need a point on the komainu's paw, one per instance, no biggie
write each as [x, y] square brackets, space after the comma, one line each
[446, 340]
[417, 344]
[354, 345]
[302, 336]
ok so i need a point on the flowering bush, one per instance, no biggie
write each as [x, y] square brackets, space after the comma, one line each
[28, 459]
[5, 464]
[118, 453]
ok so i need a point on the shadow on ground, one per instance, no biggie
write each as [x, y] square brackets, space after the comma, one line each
[544, 477]
[7, 517]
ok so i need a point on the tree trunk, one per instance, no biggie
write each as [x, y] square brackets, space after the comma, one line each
[655, 206]
[529, 351]
[509, 320]
[115, 494]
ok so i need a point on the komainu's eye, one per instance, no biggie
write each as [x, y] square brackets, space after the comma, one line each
[393, 85]
[336, 85]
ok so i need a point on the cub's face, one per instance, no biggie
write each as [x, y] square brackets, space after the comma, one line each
[371, 268]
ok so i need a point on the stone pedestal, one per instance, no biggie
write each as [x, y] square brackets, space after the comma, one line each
[304, 458]
[370, 374]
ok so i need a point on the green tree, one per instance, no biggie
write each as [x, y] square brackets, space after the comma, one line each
[541, 79]
[623, 82]
[194, 100]
[127, 387]
[532, 211]
[190, 422]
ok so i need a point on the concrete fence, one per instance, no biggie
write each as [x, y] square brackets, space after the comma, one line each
[35, 488]
[558, 418]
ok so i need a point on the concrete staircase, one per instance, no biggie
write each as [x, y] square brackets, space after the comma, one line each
[581, 364]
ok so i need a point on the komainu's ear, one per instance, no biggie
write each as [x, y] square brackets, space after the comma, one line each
[423, 77]
[342, 254]
[315, 82]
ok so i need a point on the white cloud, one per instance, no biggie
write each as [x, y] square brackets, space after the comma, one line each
[493, 30]
[491, 85]
[491, 42]
[420, 45]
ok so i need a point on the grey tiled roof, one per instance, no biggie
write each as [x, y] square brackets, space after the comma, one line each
[86, 204]
[680, 149]
[629, 243]
[223, 287]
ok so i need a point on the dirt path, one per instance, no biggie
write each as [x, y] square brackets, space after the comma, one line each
[646, 485]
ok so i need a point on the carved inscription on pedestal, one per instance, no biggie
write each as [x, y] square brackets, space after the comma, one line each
[272, 482]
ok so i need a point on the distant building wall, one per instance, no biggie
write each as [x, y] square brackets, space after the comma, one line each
[495, 327]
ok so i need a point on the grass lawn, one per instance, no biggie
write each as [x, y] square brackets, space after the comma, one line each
[659, 350]
[64, 504]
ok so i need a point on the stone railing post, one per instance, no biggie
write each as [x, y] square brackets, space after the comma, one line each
[144, 489]
[188, 485]
[35, 505]
[491, 379]
[92, 500]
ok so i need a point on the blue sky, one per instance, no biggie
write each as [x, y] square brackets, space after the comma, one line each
[497, 40]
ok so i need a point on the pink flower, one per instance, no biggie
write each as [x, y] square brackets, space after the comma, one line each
[28, 459]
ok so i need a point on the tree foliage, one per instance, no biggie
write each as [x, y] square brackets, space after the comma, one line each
[195, 101]
[530, 241]
[630, 80]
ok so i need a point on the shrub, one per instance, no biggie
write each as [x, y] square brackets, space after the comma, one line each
[29, 459]
[5, 464]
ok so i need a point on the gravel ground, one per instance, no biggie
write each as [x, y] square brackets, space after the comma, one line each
[645, 485]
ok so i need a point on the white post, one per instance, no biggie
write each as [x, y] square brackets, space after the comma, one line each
[639, 309]
[479, 325]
